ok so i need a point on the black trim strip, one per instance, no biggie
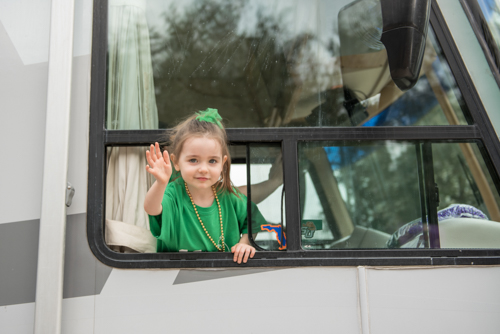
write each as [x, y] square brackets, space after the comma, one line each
[96, 194]
[459, 132]
[401, 257]
[421, 187]
[431, 196]
[309, 262]
[325, 254]
[249, 199]
[292, 200]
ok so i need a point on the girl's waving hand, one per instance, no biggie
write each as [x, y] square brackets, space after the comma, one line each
[158, 165]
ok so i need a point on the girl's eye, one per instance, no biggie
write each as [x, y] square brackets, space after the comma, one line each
[213, 161]
[192, 160]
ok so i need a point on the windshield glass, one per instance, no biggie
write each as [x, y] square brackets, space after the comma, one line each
[262, 64]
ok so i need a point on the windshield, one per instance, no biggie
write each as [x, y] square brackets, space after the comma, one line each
[263, 64]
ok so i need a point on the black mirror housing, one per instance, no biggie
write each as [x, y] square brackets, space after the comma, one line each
[404, 35]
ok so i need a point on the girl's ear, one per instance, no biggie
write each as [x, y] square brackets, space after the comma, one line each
[224, 160]
[174, 160]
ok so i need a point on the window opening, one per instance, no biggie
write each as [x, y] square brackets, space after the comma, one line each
[265, 177]
[127, 227]
[289, 93]
[393, 194]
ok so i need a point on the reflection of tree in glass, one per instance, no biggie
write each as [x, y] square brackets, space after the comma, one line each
[209, 54]
[382, 187]
[491, 11]
[196, 47]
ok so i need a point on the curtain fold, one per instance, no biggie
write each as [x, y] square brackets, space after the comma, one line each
[131, 104]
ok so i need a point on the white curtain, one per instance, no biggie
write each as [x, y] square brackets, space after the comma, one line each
[131, 104]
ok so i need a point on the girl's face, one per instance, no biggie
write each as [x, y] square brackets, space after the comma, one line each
[200, 162]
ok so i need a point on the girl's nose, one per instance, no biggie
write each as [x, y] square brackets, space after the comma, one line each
[203, 168]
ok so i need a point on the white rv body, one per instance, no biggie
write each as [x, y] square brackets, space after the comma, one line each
[101, 299]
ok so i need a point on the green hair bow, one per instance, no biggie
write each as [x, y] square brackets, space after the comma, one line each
[211, 116]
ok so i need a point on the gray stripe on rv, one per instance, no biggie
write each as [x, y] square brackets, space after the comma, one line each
[83, 274]
[192, 276]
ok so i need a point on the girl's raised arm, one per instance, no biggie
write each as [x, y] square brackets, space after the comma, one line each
[160, 167]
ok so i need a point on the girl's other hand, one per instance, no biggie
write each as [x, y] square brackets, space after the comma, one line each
[242, 252]
[158, 165]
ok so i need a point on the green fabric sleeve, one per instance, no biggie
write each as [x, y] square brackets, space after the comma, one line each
[155, 225]
[240, 205]
[162, 226]
[257, 218]
[240, 208]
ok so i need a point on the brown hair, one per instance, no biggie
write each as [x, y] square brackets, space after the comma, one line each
[191, 127]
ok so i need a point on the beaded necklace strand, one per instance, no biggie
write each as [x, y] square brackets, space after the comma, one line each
[222, 248]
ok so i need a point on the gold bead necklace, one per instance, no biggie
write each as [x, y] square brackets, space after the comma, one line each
[223, 247]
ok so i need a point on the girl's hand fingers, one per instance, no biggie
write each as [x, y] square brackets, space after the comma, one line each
[152, 154]
[247, 254]
[240, 256]
[237, 253]
[250, 252]
[158, 152]
[151, 171]
[148, 158]
[241, 253]
[234, 250]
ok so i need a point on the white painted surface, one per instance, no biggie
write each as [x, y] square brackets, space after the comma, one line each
[438, 300]
[364, 314]
[18, 319]
[22, 184]
[82, 44]
[298, 300]
[22, 105]
[50, 266]
[80, 106]
[473, 57]
[23, 101]
[456, 300]
[78, 315]
[28, 24]
[79, 134]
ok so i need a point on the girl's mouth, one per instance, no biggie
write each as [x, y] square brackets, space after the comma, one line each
[202, 178]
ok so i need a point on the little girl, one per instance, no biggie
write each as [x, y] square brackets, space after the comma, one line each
[200, 210]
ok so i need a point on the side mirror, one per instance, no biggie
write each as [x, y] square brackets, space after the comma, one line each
[382, 38]
[404, 34]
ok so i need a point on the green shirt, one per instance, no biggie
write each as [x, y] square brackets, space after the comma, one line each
[178, 228]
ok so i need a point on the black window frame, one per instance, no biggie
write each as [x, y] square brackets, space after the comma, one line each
[100, 139]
